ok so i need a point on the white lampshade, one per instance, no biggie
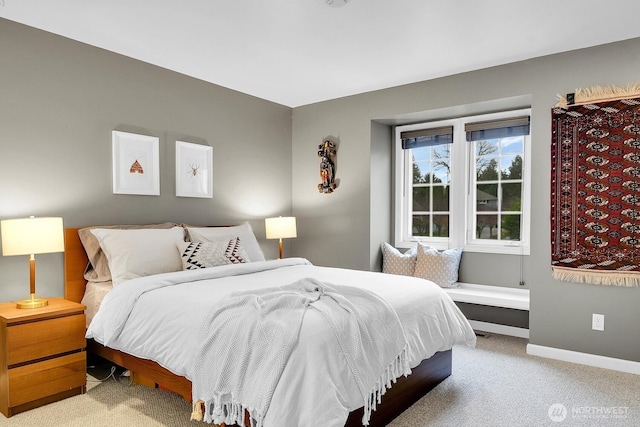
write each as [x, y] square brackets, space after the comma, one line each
[282, 227]
[27, 236]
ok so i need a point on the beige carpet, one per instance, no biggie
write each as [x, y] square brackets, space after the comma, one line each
[498, 384]
[495, 384]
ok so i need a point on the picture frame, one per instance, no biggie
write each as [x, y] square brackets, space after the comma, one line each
[194, 170]
[136, 164]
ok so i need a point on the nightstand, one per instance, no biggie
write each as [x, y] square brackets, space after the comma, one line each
[42, 358]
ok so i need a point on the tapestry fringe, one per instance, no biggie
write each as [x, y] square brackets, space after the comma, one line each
[606, 278]
[601, 94]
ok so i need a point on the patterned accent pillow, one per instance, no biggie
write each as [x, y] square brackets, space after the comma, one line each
[396, 262]
[441, 267]
[243, 231]
[197, 255]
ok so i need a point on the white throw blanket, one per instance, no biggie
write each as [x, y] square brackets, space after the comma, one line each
[248, 340]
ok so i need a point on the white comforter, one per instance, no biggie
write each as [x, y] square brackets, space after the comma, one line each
[160, 317]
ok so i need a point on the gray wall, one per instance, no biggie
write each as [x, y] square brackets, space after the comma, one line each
[59, 102]
[380, 191]
[341, 229]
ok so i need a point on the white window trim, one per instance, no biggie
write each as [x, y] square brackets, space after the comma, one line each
[460, 223]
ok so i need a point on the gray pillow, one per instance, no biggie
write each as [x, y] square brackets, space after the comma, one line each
[441, 267]
[98, 268]
[396, 262]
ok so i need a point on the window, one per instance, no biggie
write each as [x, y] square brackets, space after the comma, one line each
[465, 183]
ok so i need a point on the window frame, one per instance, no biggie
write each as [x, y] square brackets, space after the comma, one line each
[462, 212]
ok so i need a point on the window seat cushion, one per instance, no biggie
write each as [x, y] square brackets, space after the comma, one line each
[496, 296]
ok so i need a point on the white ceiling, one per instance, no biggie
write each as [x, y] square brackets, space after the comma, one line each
[297, 52]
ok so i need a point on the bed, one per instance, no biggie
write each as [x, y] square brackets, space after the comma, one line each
[425, 375]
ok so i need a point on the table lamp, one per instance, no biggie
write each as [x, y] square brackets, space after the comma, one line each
[282, 227]
[30, 236]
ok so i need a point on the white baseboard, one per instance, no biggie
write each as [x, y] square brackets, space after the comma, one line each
[584, 358]
[499, 329]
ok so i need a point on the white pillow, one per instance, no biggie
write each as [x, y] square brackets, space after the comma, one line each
[196, 255]
[244, 232]
[138, 253]
[396, 262]
[441, 267]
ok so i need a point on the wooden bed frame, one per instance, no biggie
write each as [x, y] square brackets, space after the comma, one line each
[401, 396]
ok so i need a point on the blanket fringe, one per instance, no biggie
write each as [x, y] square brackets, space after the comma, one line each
[197, 412]
[601, 94]
[607, 278]
[221, 411]
[398, 367]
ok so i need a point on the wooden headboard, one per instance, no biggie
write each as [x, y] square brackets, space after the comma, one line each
[75, 262]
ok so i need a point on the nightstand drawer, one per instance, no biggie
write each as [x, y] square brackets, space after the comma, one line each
[36, 340]
[37, 380]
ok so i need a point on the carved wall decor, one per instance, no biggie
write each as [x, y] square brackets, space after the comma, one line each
[327, 153]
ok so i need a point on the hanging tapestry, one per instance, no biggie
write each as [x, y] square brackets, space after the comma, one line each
[595, 193]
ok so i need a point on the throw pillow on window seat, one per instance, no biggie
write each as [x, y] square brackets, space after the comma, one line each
[441, 267]
[396, 262]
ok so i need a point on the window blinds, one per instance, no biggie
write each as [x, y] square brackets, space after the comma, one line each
[490, 129]
[426, 137]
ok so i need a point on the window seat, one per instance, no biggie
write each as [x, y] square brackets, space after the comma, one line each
[494, 309]
[497, 296]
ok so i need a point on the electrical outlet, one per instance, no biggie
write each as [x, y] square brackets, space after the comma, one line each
[597, 322]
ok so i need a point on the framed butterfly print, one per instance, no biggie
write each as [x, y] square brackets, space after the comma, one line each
[135, 164]
[194, 170]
